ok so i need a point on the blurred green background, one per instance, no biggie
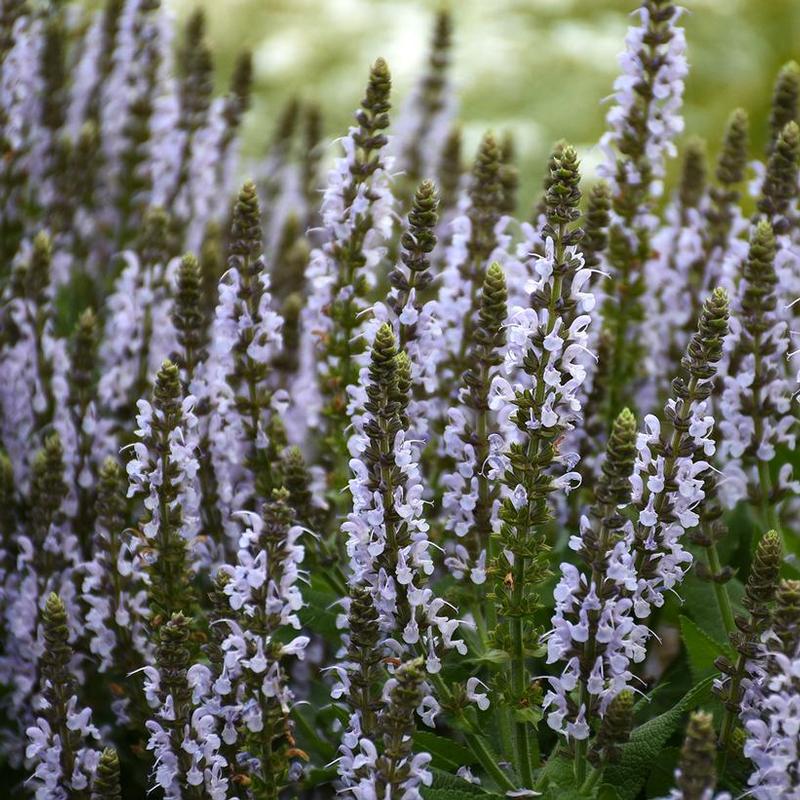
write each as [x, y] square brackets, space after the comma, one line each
[539, 68]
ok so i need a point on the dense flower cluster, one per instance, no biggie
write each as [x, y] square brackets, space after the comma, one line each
[360, 482]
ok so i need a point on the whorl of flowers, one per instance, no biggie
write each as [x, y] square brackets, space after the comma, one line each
[614, 730]
[149, 117]
[723, 245]
[190, 318]
[357, 217]
[264, 598]
[279, 190]
[450, 178]
[87, 435]
[20, 86]
[195, 75]
[245, 434]
[755, 407]
[759, 592]
[387, 540]
[777, 204]
[696, 775]
[414, 319]
[411, 279]
[183, 740]
[47, 554]
[94, 65]
[671, 285]
[112, 588]
[360, 674]
[139, 332]
[545, 367]
[643, 123]
[474, 243]
[387, 766]
[424, 122]
[645, 117]
[60, 747]
[163, 471]
[771, 703]
[473, 441]
[594, 630]
[668, 474]
[29, 355]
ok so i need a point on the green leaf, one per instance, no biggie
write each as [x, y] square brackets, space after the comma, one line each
[489, 657]
[701, 649]
[700, 604]
[532, 715]
[450, 787]
[446, 754]
[662, 778]
[642, 752]
[319, 615]
[318, 776]
[557, 775]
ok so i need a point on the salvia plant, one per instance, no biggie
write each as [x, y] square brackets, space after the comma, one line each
[355, 479]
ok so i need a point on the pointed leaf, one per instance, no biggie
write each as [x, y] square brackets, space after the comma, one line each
[701, 649]
[446, 754]
[450, 787]
[643, 750]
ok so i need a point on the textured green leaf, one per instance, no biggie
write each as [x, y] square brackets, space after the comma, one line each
[446, 754]
[641, 753]
[607, 792]
[662, 778]
[450, 787]
[557, 777]
[489, 657]
[700, 604]
[701, 649]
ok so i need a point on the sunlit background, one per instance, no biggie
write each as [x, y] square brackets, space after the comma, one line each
[539, 68]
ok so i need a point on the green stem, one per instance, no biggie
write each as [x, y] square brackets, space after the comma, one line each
[518, 670]
[474, 740]
[769, 511]
[720, 590]
[729, 717]
[518, 674]
[591, 781]
[487, 760]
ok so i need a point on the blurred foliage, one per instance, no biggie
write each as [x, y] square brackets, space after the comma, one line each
[539, 68]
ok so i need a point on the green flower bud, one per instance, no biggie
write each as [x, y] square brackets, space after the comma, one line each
[733, 155]
[106, 784]
[784, 102]
[597, 217]
[697, 774]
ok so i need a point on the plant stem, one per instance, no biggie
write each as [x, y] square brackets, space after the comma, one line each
[488, 762]
[720, 590]
[473, 739]
[729, 717]
[769, 513]
[518, 671]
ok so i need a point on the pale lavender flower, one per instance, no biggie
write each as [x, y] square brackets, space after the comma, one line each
[770, 714]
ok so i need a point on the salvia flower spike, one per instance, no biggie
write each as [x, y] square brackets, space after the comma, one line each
[355, 482]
